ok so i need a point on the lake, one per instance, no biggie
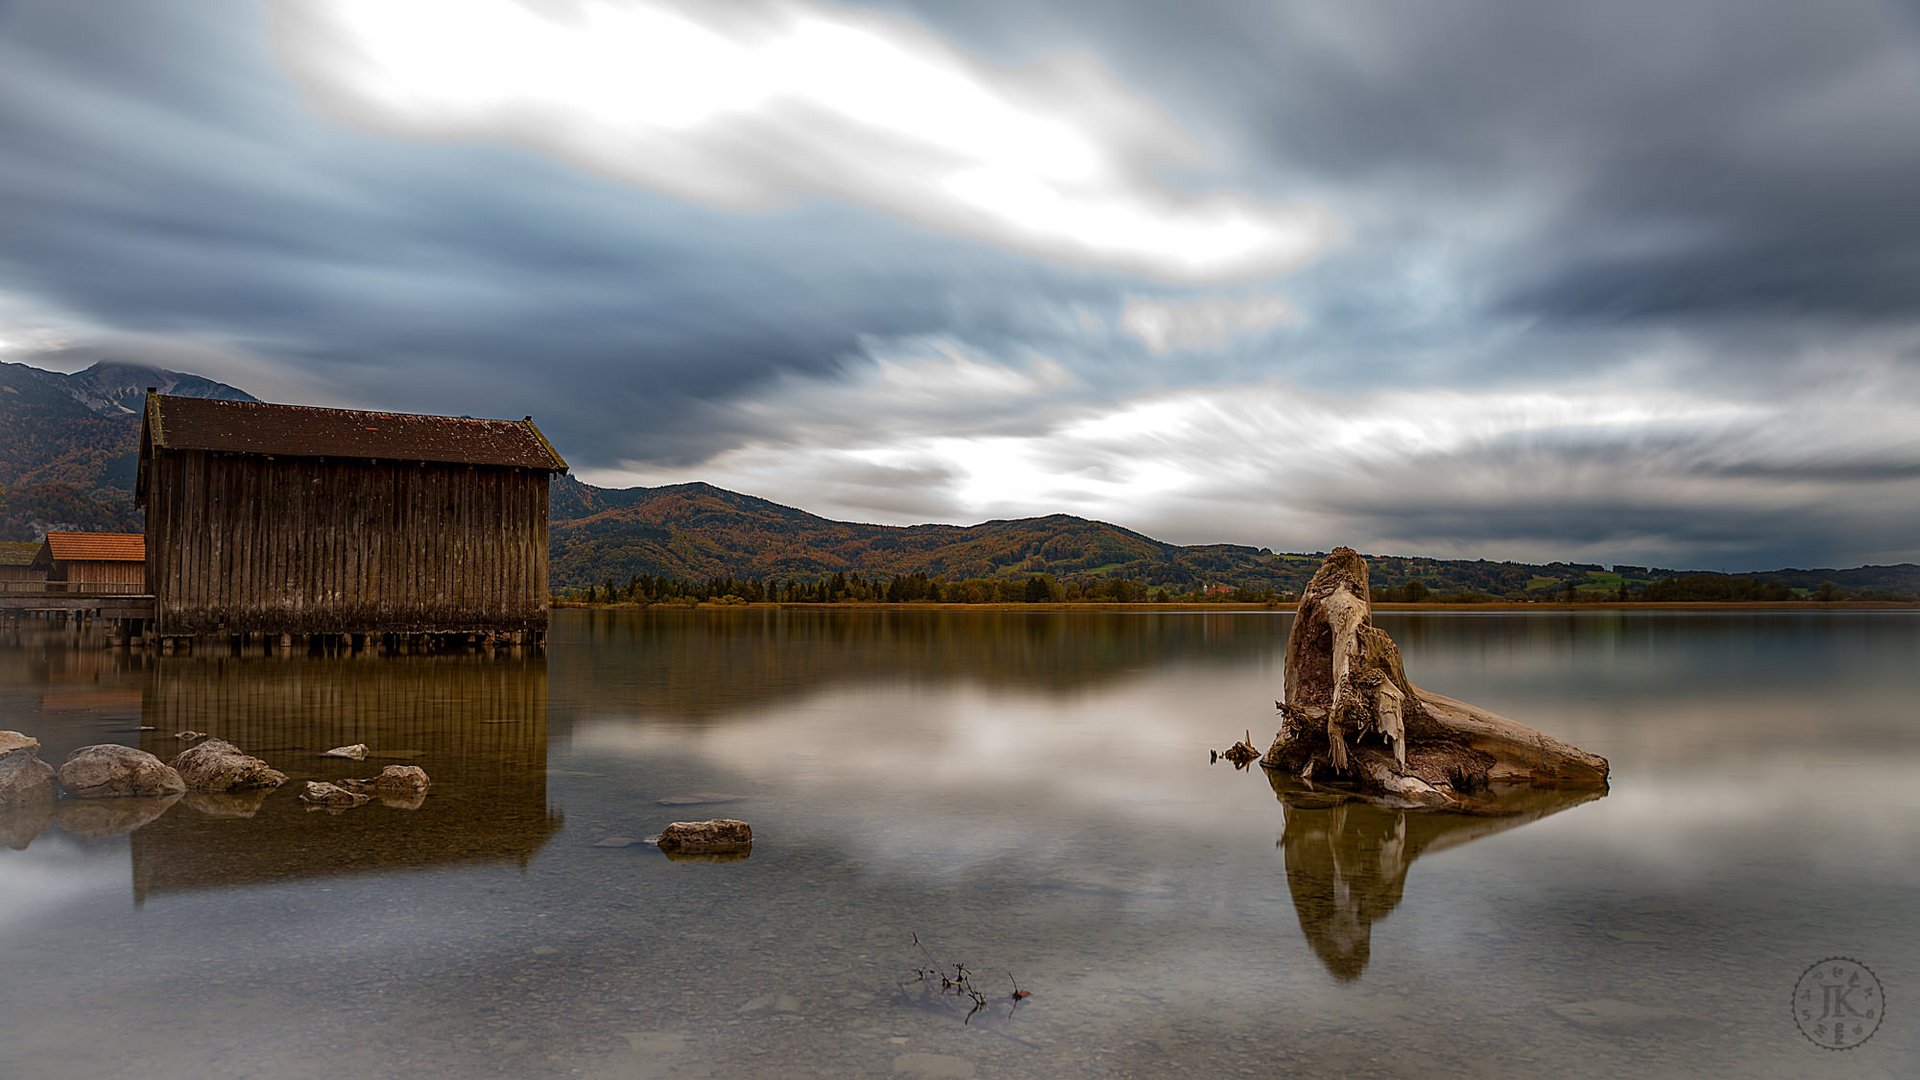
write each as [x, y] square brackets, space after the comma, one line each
[1025, 793]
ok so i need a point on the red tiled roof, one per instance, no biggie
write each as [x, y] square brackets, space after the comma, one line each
[97, 547]
[254, 427]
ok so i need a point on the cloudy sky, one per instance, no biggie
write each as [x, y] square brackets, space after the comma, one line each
[1624, 282]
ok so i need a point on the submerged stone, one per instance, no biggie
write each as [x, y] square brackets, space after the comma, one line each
[395, 781]
[699, 798]
[655, 1042]
[320, 795]
[934, 1066]
[770, 1003]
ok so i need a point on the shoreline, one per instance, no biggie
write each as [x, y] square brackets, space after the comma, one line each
[1194, 607]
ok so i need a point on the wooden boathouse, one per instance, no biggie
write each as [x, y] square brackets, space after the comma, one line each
[93, 563]
[294, 520]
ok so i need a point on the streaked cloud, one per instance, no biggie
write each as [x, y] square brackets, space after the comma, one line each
[746, 105]
[1202, 323]
[1589, 471]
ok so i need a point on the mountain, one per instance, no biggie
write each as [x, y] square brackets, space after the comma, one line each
[698, 532]
[69, 444]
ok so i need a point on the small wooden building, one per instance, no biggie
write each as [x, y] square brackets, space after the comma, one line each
[18, 572]
[93, 562]
[287, 519]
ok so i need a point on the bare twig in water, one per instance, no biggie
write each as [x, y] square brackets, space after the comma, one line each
[1017, 996]
[956, 981]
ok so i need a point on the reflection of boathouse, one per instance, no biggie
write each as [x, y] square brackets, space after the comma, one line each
[284, 519]
[478, 726]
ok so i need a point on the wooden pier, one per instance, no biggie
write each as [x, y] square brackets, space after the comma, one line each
[126, 615]
[129, 623]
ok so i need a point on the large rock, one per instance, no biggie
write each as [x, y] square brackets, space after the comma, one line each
[1352, 719]
[218, 766]
[402, 780]
[26, 790]
[110, 770]
[719, 836]
[24, 778]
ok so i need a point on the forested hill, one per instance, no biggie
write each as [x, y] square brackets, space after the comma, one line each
[69, 443]
[699, 531]
[696, 532]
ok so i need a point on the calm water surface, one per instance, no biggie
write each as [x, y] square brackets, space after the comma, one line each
[1026, 793]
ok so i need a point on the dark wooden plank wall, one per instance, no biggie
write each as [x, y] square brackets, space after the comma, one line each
[317, 546]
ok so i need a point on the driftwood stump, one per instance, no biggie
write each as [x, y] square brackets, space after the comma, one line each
[1352, 719]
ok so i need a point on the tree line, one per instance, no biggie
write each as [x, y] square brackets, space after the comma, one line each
[902, 589]
[1046, 588]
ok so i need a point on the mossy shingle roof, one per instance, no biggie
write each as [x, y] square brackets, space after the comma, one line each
[254, 427]
[18, 552]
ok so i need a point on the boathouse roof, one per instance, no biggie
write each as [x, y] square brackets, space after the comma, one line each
[96, 547]
[255, 427]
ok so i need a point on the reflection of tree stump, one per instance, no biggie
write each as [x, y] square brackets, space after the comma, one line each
[1351, 717]
[1347, 857]
[1346, 869]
